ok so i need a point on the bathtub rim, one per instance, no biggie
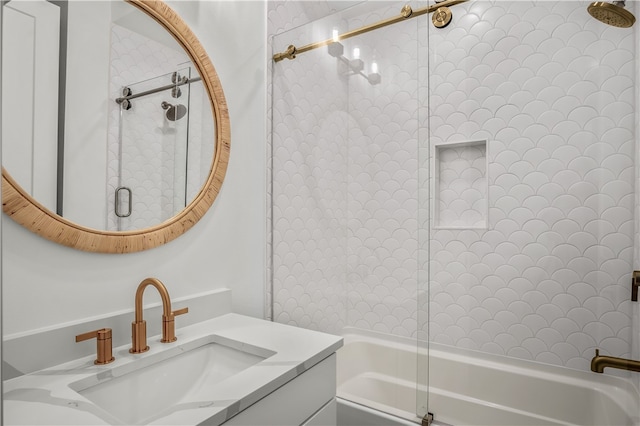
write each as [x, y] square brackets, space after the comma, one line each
[625, 393]
[475, 357]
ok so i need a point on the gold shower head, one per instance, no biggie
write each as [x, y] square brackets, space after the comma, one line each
[612, 13]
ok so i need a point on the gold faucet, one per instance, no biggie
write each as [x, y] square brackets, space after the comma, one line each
[104, 354]
[139, 326]
[600, 362]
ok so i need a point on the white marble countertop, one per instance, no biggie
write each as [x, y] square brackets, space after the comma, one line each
[45, 396]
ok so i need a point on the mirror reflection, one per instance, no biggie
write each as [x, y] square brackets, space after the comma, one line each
[125, 135]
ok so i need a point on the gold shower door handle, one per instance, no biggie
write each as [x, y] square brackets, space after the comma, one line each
[635, 283]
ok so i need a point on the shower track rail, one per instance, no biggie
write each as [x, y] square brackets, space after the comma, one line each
[157, 89]
[405, 14]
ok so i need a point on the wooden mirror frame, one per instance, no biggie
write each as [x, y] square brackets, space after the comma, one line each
[26, 211]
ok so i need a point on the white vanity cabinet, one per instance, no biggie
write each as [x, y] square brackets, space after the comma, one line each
[308, 399]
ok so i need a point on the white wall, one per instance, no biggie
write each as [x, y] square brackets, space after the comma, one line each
[45, 284]
[87, 104]
[31, 96]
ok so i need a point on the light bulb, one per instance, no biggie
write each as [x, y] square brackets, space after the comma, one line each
[335, 35]
[374, 67]
[356, 53]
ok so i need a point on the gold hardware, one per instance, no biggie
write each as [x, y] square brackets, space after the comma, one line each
[104, 344]
[612, 13]
[441, 17]
[635, 283]
[600, 362]
[168, 325]
[406, 13]
[290, 53]
[139, 326]
[427, 419]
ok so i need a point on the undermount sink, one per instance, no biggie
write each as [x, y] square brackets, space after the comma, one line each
[157, 384]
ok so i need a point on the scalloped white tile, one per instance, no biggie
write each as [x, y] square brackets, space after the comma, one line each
[549, 280]
[552, 91]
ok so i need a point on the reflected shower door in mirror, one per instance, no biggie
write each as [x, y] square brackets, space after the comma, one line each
[155, 150]
[71, 145]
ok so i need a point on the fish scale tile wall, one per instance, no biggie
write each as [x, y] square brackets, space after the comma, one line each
[309, 198]
[361, 221]
[553, 93]
[552, 90]
[382, 192]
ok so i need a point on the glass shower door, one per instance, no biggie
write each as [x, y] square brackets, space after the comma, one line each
[422, 55]
[528, 243]
[344, 196]
[153, 138]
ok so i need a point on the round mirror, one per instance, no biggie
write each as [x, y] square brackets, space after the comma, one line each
[114, 125]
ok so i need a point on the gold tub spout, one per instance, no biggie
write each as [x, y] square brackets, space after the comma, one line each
[139, 326]
[600, 362]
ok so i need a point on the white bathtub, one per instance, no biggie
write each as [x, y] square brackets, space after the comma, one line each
[470, 388]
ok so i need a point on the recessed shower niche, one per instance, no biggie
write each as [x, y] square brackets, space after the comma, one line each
[460, 185]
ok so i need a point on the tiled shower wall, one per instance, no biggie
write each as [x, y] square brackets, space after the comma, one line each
[310, 167]
[345, 190]
[552, 92]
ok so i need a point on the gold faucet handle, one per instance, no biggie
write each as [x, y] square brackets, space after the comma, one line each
[104, 344]
[169, 327]
[180, 312]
